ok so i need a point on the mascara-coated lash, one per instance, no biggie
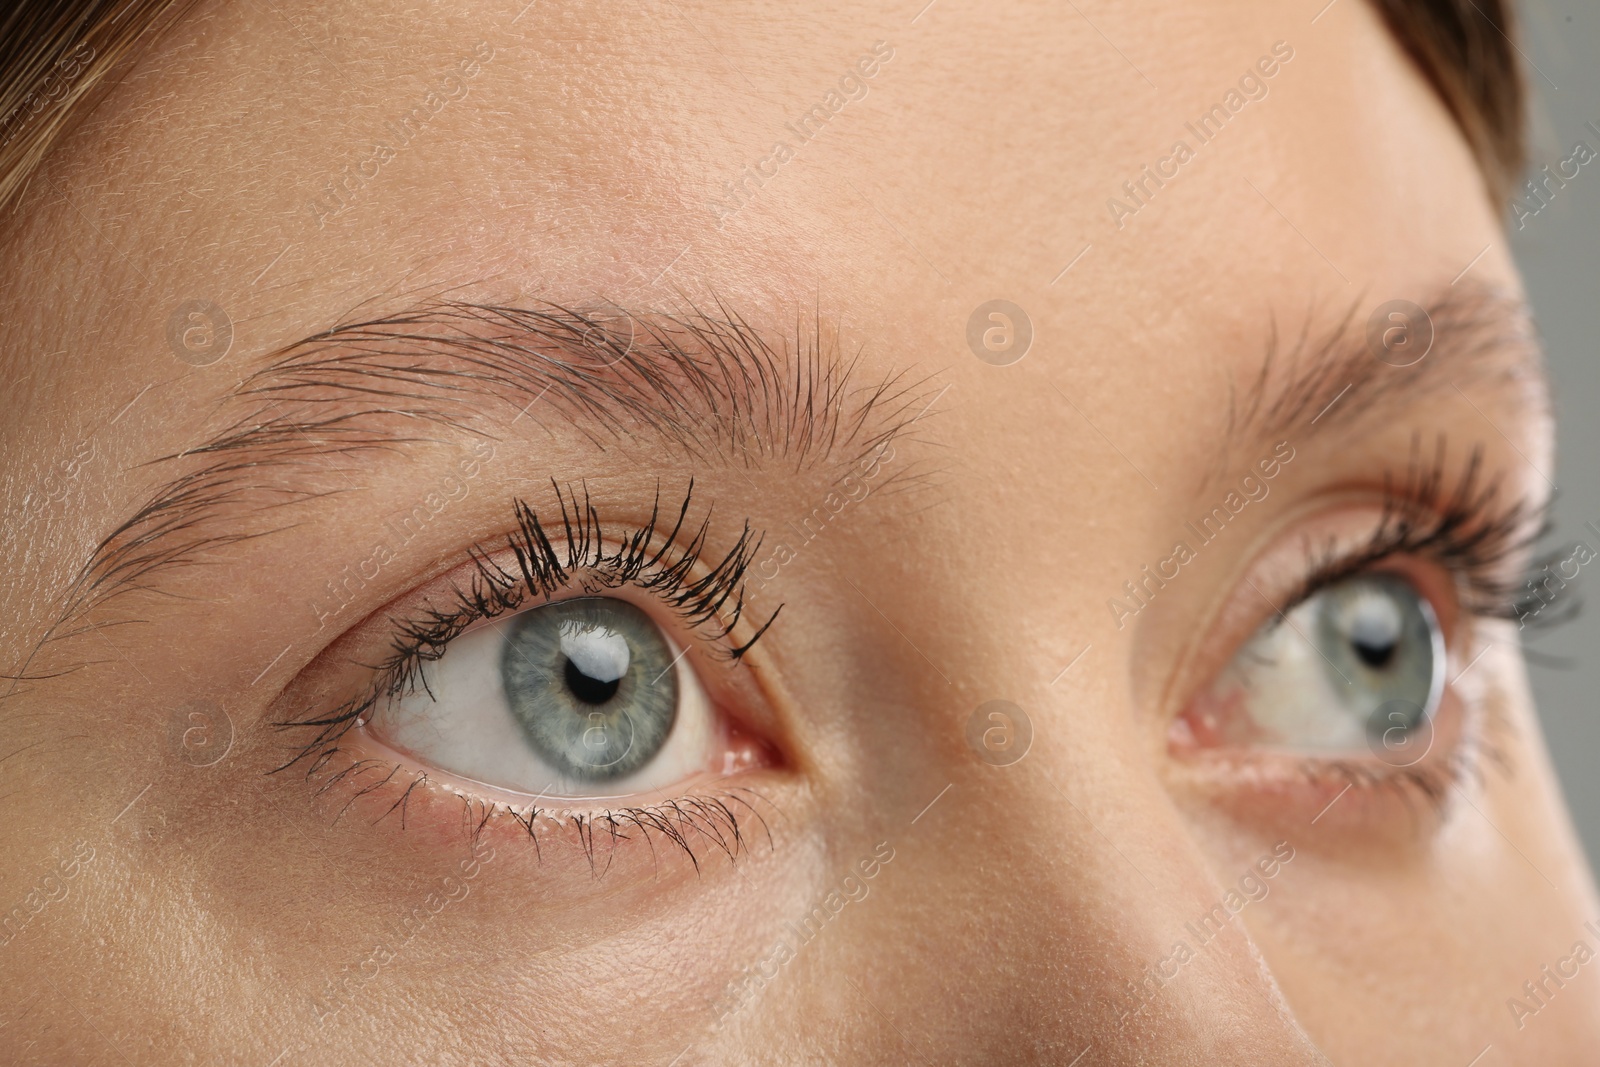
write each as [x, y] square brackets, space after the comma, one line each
[1467, 529]
[580, 560]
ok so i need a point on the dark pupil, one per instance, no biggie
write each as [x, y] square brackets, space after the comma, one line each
[587, 689]
[1374, 656]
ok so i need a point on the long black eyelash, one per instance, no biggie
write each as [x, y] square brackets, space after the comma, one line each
[1468, 529]
[540, 569]
[584, 564]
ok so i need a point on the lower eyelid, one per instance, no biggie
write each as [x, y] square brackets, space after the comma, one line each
[1360, 797]
[366, 780]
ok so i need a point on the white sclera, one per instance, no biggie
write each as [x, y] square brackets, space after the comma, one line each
[1293, 701]
[461, 722]
[1295, 691]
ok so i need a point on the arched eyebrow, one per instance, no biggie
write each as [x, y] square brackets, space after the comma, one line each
[705, 385]
[709, 385]
[1343, 381]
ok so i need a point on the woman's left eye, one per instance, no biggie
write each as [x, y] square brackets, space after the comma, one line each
[583, 697]
[1358, 664]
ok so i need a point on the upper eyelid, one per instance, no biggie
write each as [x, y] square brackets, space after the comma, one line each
[660, 556]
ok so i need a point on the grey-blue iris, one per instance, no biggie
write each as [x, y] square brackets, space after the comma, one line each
[1383, 649]
[592, 683]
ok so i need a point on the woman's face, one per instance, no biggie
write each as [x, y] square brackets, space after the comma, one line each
[387, 695]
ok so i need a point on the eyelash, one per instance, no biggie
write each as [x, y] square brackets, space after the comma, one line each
[542, 571]
[1466, 530]
[586, 563]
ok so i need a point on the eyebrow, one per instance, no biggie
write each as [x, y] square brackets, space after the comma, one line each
[1315, 385]
[703, 383]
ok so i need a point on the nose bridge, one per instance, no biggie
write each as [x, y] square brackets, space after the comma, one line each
[1140, 929]
[1142, 949]
[1088, 923]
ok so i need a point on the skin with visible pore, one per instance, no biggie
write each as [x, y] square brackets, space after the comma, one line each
[205, 555]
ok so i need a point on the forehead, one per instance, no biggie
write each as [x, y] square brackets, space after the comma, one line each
[1147, 184]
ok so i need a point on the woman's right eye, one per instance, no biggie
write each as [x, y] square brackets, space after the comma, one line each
[585, 697]
[1356, 665]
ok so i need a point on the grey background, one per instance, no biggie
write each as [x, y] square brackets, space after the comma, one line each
[1559, 252]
